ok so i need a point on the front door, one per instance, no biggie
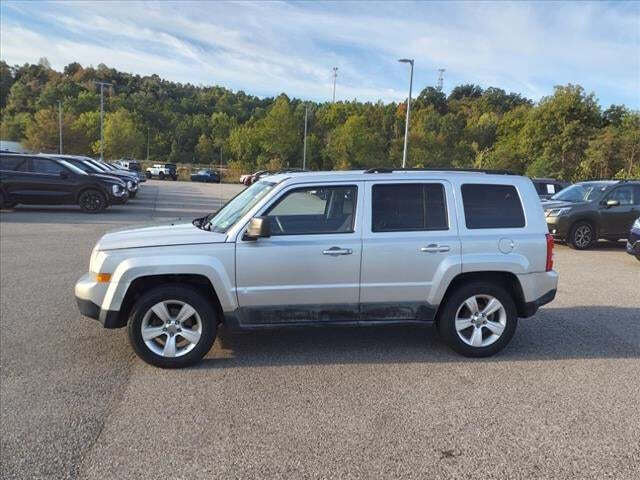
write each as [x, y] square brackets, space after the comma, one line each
[309, 269]
[409, 234]
[617, 220]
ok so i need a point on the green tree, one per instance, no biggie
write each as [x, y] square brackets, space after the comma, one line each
[122, 136]
[355, 145]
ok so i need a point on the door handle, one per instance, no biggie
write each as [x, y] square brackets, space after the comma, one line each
[335, 251]
[435, 248]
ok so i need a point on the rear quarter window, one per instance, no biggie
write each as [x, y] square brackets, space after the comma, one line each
[492, 206]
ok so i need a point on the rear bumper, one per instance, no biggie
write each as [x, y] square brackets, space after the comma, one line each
[633, 242]
[530, 308]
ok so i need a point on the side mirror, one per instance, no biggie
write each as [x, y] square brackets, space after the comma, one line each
[64, 174]
[612, 203]
[259, 227]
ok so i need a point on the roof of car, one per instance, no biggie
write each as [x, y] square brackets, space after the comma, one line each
[362, 175]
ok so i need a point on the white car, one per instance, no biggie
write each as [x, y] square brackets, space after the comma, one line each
[469, 250]
[162, 171]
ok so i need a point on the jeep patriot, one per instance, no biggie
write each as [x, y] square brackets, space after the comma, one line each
[468, 250]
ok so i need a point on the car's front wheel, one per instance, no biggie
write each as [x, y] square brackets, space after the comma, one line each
[92, 201]
[161, 175]
[581, 236]
[172, 326]
[147, 174]
[4, 202]
[478, 319]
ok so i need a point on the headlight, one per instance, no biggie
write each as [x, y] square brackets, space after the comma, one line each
[557, 212]
[129, 184]
[636, 224]
[117, 191]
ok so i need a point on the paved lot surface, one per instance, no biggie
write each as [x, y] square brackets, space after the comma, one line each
[560, 402]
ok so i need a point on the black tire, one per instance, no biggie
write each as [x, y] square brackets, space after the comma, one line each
[174, 177]
[581, 235]
[133, 194]
[161, 175]
[92, 201]
[456, 300]
[638, 257]
[148, 175]
[173, 292]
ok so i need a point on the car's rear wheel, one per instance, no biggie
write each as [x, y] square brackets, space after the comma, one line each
[478, 319]
[172, 326]
[4, 202]
[161, 175]
[133, 194]
[147, 174]
[92, 201]
[581, 236]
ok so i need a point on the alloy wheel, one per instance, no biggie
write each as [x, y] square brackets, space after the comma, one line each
[480, 320]
[583, 236]
[91, 201]
[171, 328]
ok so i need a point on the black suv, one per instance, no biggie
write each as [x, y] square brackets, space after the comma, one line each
[587, 211]
[38, 180]
[548, 187]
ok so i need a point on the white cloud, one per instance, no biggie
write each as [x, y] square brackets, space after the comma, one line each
[266, 48]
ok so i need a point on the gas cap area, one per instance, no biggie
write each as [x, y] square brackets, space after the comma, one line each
[506, 245]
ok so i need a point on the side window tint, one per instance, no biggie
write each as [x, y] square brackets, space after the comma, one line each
[492, 206]
[623, 194]
[408, 207]
[636, 194]
[13, 164]
[44, 165]
[314, 210]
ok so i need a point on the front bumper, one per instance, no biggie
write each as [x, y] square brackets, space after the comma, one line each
[633, 242]
[121, 200]
[558, 226]
[89, 296]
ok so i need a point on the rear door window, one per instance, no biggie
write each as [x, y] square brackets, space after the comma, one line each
[46, 166]
[492, 206]
[10, 163]
[406, 207]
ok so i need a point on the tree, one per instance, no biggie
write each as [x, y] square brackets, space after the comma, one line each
[122, 136]
[355, 145]
[558, 131]
[432, 96]
[279, 134]
[42, 134]
[205, 149]
[6, 81]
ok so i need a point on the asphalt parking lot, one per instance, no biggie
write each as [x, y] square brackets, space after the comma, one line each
[561, 401]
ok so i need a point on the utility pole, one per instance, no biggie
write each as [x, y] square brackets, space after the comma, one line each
[60, 125]
[102, 84]
[147, 144]
[440, 78]
[335, 75]
[304, 150]
[406, 125]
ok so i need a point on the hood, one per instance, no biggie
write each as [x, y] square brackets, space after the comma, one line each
[178, 233]
[108, 178]
[547, 204]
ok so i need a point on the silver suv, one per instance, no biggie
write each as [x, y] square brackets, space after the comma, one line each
[469, 250]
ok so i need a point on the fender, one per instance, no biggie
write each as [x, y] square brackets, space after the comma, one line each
[208, 266]
[447, 271]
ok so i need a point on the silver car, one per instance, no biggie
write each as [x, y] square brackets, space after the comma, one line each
[468, 250]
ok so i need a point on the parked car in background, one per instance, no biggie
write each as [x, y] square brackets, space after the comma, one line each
[95, 167]
[633, 242]
[127, 164]
[587, 211]
[139, 175]
[207, 176]
[39, 180]
[468, 250]
[162, 171]
[547, 187]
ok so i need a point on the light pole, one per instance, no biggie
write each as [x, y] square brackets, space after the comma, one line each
[102, 84]
[60, 125]
[335, 75]
[147, 144]
[304, 149]
[406, 125]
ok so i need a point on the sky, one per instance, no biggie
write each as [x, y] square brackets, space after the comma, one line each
[265, 48]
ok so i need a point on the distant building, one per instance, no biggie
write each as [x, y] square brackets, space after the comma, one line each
[12, 146]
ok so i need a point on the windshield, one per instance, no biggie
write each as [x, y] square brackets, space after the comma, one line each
[233, 211]
[580, 192]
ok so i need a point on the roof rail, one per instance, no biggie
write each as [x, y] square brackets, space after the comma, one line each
[477, 170]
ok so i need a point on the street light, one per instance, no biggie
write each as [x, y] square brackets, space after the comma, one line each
[406, 125]
[102, 84]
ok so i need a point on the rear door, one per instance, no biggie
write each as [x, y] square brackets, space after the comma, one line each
[47, 182]
[409, 234]
[13, 175]
[309, 269]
